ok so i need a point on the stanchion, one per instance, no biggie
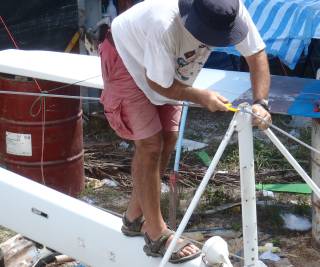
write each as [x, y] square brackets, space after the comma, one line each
[248, 188]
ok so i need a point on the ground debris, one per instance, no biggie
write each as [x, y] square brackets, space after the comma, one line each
[18, 252]
[111, 161]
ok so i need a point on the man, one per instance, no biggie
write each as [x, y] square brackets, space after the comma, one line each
[163, 44]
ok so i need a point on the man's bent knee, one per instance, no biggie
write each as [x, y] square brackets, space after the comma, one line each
[151, 146]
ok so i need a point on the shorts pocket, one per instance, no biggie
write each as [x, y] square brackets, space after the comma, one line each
[115, 117]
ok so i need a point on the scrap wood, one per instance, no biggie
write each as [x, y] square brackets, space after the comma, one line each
[1, 258]
[107, 160]
[219, 208]
[18, 250]
[63, 259]
[99, 145]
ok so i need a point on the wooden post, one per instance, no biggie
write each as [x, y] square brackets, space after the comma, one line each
[90, 12]
[316, 178]
[173, 197]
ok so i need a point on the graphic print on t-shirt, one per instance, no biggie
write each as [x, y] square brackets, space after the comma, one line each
[191, 62]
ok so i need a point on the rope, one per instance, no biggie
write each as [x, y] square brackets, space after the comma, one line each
[9, 33]
[42, 106]
[39, 88]
[43, 135]
[71, 84]
[15, 45]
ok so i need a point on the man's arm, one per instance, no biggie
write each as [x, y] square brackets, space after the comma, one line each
[259, 75]
[260, 80]
[179, 91]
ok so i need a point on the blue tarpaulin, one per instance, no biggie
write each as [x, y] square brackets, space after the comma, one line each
[286, 26]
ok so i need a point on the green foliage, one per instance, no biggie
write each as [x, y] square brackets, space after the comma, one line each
[214, 197]
[276, 242]
[88, 190]
[165, 205]
[236, 226]
[230, 158]
[303, 208]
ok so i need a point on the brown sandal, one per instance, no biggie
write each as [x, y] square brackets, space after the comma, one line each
[158, 248]
[132, 228]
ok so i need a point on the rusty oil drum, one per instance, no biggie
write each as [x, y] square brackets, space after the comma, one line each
[21, 135]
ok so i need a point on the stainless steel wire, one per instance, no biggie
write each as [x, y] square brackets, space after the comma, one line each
[281, 131]
[47, 94]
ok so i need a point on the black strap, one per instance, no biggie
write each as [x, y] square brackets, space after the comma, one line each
[263, 103]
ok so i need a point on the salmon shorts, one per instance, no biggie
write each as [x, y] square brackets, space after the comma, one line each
[141, 119]
[129, 112]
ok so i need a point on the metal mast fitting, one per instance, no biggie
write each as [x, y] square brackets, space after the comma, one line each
[248, 186]
[242, 123]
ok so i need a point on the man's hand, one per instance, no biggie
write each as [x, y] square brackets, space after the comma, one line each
[213, 101]
[264, 114]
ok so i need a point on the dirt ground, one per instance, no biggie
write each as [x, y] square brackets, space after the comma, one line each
[108, 185]
[5, 234]
[295, 247]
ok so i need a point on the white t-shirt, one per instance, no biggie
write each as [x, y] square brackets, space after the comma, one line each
[151, 40]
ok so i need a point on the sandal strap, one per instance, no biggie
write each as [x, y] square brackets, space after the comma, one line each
[159, 245]
[135, 225]
[180, 246]
[158, 248]
[175, 256]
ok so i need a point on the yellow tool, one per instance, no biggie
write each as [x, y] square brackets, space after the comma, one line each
[231, 108]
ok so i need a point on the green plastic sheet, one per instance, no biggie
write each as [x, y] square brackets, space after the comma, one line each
[289, 188]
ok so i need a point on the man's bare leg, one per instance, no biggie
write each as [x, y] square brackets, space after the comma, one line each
[134, 209]
[146, 181]
[146, 176]
[169, 140]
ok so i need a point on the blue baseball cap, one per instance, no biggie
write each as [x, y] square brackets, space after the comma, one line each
[213, 22]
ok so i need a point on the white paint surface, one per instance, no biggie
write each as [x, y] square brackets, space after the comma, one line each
[53, 66]
[70, 226]
[230, 84]
[86, 71]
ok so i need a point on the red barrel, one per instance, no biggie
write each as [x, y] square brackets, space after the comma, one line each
[21, 131]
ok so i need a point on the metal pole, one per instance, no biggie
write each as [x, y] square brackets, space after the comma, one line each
[292, 161]
[199, 191]
[315, 137]
[175, 175]
[180, 138]
[248, 190]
